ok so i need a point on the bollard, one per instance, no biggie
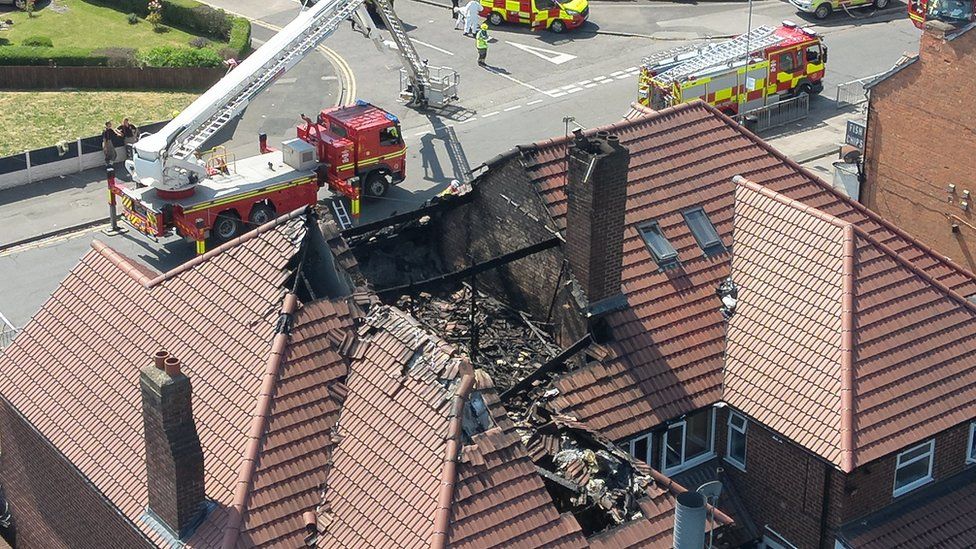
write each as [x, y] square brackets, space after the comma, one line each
[202, 243]
[201, 247]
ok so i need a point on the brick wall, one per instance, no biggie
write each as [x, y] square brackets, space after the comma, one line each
[921, 131]
[506, 215]
[52, 503]
[870, 487]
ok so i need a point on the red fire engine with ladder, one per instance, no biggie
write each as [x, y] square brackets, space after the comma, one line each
[783, 62]
[954, 12]
[355, 150]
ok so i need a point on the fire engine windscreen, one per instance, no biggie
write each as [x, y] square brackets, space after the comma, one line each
[950, 11]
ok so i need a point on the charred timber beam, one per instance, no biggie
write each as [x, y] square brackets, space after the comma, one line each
[559, 481]
[474, 269]
[554, 362]
[443, 204]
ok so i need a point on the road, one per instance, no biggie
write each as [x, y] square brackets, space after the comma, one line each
[533, 82]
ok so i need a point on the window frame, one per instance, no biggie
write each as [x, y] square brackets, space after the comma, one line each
[728, 440]
[930, 455]
[687, 463]
[792, 57]
[970, 458]
[649, 438]
[663, 263]
[710, 249]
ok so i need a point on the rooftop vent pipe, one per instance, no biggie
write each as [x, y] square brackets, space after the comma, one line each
[689, 521]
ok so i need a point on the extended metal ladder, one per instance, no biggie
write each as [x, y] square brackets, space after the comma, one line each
[341, 215]
[411, 60]
[279, 54]
[722, 53]
[673, 55]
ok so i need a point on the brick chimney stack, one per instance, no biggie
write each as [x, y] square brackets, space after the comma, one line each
[597, 194]
[174, 457]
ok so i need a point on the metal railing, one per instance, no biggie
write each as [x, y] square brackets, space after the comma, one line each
[853, 92]
[776, 114]
[7, 332]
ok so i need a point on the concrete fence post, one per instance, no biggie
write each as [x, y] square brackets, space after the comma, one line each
[81, 163]
[30, 175]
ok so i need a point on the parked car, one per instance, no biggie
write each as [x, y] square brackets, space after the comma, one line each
[821, 9]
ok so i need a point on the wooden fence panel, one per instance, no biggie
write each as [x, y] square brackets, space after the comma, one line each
[117, 78]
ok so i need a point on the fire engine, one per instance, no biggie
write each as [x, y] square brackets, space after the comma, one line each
[783, 62]
[553, 15]
[954, 12]
[354, 150]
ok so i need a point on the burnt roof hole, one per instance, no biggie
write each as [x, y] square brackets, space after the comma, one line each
[418, 359]
[728, 292]
[476, 418]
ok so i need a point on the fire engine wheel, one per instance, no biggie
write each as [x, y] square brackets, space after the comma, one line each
[261, 214]
[804, 89]
[227, 226]
[495, 18]
[823, 11]
[557, 27]
[881, 4]
[20, 4]
[376, 184]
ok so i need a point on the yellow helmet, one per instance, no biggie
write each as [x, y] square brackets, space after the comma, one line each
[484, 26]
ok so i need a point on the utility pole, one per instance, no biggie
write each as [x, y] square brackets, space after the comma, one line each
[744, 84]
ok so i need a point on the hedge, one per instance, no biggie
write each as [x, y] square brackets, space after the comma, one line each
[169, 56]
[240, 37]
[43, 56]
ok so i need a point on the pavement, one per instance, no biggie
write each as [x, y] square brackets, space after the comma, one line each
[533, 82]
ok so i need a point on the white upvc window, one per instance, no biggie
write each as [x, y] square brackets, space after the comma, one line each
[913, 468]
[735, 450]
[688, 442]
[971, 447]
[640, 448]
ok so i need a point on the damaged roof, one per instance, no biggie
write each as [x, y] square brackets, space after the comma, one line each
[73, 373]
[666, 357]
[425, 455]
[837, 341]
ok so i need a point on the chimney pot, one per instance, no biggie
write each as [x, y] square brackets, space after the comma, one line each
[172, 366]
[602, 134]
[159, 359]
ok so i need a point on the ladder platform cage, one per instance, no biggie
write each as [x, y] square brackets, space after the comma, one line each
[442, 86]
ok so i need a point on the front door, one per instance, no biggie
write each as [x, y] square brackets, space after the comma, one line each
[543, 11]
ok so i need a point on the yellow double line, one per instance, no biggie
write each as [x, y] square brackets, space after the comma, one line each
[347, 80]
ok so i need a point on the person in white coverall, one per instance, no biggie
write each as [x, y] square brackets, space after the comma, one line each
[471, 10]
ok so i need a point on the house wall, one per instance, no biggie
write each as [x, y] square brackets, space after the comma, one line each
[506, 215]
[52, 503]
[920, 126]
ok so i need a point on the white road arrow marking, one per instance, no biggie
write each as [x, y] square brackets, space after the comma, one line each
[553, 57]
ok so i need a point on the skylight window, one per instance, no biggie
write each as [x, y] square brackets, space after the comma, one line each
[705, 233]
[664, 253]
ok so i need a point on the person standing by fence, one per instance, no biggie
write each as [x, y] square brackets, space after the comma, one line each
[110, 136]
[130, 134]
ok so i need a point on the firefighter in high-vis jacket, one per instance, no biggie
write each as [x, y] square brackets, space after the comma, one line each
[481, 41]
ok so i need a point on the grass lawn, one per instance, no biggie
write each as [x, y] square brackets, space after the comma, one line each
[30, 120]
[80, 24]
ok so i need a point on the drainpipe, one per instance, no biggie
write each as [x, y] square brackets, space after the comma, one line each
[828, 474]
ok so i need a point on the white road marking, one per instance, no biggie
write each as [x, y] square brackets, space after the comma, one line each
[431, 46]
[583, 82]
[622, 76]
[489, 114]
[513, 108]
[617, 73]
[536, 102]
[557, 94]
[568, 86]
[418, 134]
[472, 119]
[574, 90]
[554, 57]
[286, 81]
[591, 85]
[516, 80]
[630, 69]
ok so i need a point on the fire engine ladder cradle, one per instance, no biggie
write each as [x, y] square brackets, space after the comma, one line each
[722, 53]
[270, 61]
[422, 84]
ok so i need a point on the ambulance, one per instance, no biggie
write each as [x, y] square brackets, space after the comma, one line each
[784, 62]
[538, 14]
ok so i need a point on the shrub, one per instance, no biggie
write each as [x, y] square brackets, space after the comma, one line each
[169, 56]
[40, 41]
[133, 19]
[155, 16]
[199, 42]
[119, 57]
[240, 37]
[43, 56]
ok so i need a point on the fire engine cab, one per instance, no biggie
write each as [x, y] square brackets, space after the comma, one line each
[954, 12]
[355, 150]
[554, 15]
[783, 62]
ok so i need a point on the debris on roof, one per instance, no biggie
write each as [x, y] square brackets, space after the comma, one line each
[510, 345]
